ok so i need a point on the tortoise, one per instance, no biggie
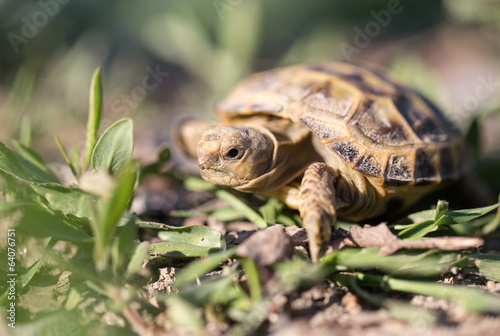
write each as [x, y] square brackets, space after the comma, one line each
[329, 139]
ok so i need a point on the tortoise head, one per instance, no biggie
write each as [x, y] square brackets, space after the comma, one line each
[234, 156]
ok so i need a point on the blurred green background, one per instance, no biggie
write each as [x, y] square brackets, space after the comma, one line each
[198, 49]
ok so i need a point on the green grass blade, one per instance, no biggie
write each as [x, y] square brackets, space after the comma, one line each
[65, 155]
[398, 309]
[200, 267]
[25, 132]
[94, 117]
[244, 209]
[493, 225]
[109, 211]
[140, 253]
[470, 298]
[253, 279]
[466, 215]
[114, 149]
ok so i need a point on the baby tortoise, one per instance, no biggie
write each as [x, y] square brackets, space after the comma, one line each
[330, 140]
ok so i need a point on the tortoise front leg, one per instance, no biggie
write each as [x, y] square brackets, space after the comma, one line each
[317, 205]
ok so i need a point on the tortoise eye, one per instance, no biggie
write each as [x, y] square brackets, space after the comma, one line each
[234, 153]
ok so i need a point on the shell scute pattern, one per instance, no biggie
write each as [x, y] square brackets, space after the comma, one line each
[378, 126]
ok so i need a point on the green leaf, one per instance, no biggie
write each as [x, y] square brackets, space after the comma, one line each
[244, 209]
[253, 279]
[431, 220]
[271, 210]
[441, 208]
[461, 216]
[164, 154]
[113, 151]
[493, 225]
[25, 278]
[109, 211]
[138, 257]
[198, 184]
[199, 267]
[28, 166]
[40, 222]
[418, 230]
[217, 290]
[68, 200]
[184, 314]
[10, 165]
[396, 308]
[422, 216]
[488, 264]
[94, 117]
[172, 250]
[471, 299]
[66, 156]
[426, 264]
[194, 235]
[123, 246]
[25, 132]
[33, 164]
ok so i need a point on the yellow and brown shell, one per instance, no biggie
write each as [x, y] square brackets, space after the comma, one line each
[378, 126]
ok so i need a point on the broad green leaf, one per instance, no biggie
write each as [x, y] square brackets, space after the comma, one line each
[488, 265]
[39, 222]
[94, 117]
[199, 267]
[194, 235]
[422, 216]
[167, 250]
[10, 165]
[244, 209]
[33, 164]
[113, 151]
[68, 200]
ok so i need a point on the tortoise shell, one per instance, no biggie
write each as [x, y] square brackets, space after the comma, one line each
[379, 127]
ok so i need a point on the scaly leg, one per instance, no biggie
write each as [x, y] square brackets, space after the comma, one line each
[317, 205]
